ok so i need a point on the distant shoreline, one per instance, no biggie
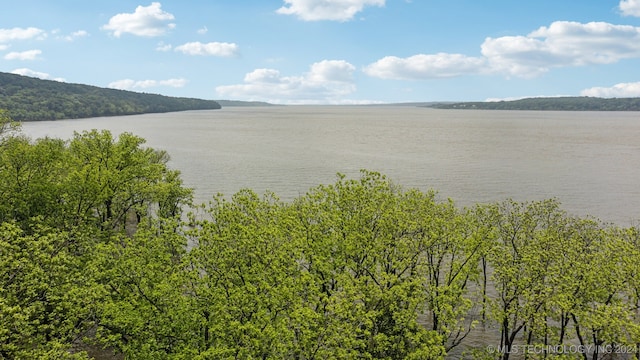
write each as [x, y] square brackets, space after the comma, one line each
[548, 104]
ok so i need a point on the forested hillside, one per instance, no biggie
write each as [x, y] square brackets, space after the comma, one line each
[551, 103]
[29, 99]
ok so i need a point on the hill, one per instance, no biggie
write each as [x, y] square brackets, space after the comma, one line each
[552, 103]
[234, 103]
[29, 99]
[411, 104]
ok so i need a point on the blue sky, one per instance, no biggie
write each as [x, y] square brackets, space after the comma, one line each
[330, 51]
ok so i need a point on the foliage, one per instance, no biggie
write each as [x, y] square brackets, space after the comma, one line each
[94, 249]
[366, 268]
[144, 311]
[554, 104]
[561, 279]
[8, 127]
[28, 99]
[61, 202]
[44, 299]
[94, 179]
[244, 278]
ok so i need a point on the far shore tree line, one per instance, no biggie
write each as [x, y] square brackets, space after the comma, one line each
[97, 250]
[567, 103]
[31, 99]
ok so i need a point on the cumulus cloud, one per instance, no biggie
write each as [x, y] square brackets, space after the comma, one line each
[7, 35]
[328, 80]
[563, 43]
[203, 30]
[211, 49]
[621, 90]
[76, 35]
[630, 7]
[424, 66]
[23, 55]
[36, 74]
[128, 84]
[144, 21]
[336, 10]
[163, 47]
[331, 71]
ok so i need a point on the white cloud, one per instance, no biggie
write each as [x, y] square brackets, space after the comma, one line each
[3, 47]
[630, 7]
[7, 35]
[616, 91]
[331, 71]
[76, 35]
[203, 30]
[263, 76]
[124, 84]
[145, 21]
[337, 10]
[36, 74]
[128, 84]
[212, 49]
[163, 47]
[423, 66]
[517, 55]
[176, 83]
[328, 80]
[563, 43]
[23, 55]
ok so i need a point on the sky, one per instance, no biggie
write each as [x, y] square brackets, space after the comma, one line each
[330, 51]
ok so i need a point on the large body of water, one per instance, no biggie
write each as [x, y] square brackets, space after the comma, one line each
[590, 161]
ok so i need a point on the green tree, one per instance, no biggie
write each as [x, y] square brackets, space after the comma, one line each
[520, 260]
[8, 127]
[114, 182]
[365, 268]
[45, 304]
[453, 244]
[145, 310]
[631, 236]
[335, 274]
[602, 313]
[31, 175]
[245, 279]
[93, 248]
[63, 207]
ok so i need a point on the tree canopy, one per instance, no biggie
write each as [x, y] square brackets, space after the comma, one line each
[96, 250]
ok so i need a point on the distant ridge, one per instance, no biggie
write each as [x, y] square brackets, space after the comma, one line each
[418, 104]
[551, 104]
[29, 99]
[232, 103]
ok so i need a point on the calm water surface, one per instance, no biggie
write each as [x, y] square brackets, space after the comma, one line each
[590, 161]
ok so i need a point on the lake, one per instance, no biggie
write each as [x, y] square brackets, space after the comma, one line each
[590, 161]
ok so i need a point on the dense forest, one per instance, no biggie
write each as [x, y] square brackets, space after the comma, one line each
[29, 99]
[97, 250]
[551, 103]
